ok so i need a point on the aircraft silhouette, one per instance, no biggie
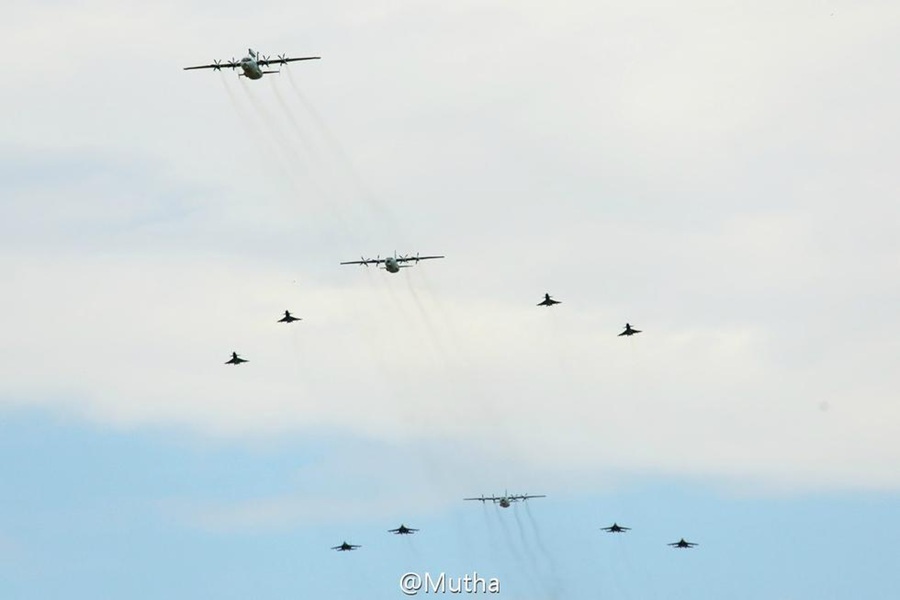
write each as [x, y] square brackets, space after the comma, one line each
[548, 301]
[682, 544]
[288, 318]
[402, 530]
[344, 547]
[615, 528]
[235, 359]
[629, 330]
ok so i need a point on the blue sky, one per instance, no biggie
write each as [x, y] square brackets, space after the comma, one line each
[89, 512]
[721, 175]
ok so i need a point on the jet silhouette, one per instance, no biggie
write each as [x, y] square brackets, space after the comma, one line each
[629, 330]
[235, 359]
[344, 547]
[402, 530]
[548, 301]
[288, 318]
[615, 528]
[682, 544]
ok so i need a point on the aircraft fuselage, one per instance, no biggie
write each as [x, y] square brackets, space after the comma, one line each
[391, 265]
[250, 68]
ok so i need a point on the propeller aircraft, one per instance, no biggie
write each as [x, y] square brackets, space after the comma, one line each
[253, 66]
[505, 500]
[392, 264]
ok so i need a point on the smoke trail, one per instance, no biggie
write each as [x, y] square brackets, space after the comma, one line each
[292, 159]
[551, 563]
[510, 545]
[526, 545]
[374, 204]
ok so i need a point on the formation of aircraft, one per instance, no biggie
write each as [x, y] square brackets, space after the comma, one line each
[548, 301]
[506, 499]
[629, 330]
[252, 66]
[392, 264]
[235, 359]
[345, 547]
[288, 318]
[402, 530]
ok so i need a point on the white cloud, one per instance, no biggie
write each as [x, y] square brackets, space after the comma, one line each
[720, 178]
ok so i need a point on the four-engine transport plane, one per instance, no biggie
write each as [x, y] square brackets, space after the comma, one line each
[629, 330]
[288, 318]
[392, 264]
[682, 544]
[548, 301]
[615, 528]
[402, 530]
[253, 65]
[505, 500]
[235, 359]
[345, 547]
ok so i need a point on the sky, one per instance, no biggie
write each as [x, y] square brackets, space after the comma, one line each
[721, 175]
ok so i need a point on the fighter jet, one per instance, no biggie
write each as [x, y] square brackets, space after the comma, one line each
[682, 544]
[629, 330]
[615, 528]
[548, 301]
[288, 318]
[235, 359]
[402, 530]
[344, 547]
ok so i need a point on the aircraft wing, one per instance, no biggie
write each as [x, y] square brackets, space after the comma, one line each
[281, 61]
[485, 498]
[365, 261]
[415, 258]
[527, 497]
[218, 66]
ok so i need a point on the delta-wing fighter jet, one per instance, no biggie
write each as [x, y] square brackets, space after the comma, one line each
[548, 301]
[235, 359]
[629, 330]
[288, 318]
[252, 66]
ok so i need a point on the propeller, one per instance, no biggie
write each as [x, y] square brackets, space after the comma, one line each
[265, 58]
[282, 58]
[217, 65]
[233, 63]
[416, 258]
[365, 261]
